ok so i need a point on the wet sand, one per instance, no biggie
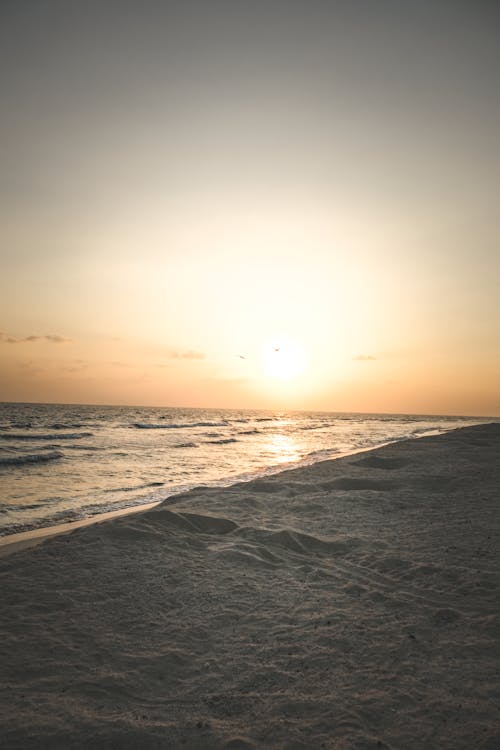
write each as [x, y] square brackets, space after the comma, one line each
[349, 604]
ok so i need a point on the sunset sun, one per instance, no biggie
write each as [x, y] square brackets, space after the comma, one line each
[284, 358]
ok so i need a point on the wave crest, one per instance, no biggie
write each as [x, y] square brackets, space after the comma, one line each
[180, 426]
[30, 458]
[44, 435]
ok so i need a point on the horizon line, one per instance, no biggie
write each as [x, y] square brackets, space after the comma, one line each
[246, 408]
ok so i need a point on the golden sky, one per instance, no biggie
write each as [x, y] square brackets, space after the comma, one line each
[280, 204]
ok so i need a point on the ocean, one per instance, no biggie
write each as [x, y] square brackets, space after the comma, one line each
[61, 463]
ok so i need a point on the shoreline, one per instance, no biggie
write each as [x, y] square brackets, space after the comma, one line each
[54, 494]
[351, 603]
[12, 543]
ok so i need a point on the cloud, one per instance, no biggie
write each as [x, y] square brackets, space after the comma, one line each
[364, 358]
[52, 338]
[189, 354]
[56, 339]
[79, 365]
[29, 369]
[227, 381]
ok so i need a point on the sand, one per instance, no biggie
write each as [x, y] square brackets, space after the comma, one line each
[350, 604]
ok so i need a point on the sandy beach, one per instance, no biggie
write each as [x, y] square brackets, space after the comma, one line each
[351, 604]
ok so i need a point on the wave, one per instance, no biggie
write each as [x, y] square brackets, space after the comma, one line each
[30, 458]
[249, 432]
[322, 453]
[136, 487]
[180, 426]
[44, 436]
[424, 430]
[86, 448]
[222, 441]
[37, 505]
[186, 445]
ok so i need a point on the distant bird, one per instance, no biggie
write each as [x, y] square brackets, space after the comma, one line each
[276, 348]
[241, 356]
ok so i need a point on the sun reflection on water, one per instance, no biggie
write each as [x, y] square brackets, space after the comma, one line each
[282, 449]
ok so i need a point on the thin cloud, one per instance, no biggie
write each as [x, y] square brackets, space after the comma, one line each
[51, 338]
[29, 369]
[79, 365]
[364, 358]
[227, 381]
[189, 354]
[56, 339]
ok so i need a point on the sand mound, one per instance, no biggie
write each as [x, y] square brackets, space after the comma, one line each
[349, 604]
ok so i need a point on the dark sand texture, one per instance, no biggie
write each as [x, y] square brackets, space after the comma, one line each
[350, 604]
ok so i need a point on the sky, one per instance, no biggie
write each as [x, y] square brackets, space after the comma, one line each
[269, 204]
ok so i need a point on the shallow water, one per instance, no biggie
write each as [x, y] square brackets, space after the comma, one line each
[65, 462]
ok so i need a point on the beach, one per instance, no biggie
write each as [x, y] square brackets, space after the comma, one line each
[64, 463]
[348, 604]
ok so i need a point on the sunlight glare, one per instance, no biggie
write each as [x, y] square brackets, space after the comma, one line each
[284, 358]
[282, 449]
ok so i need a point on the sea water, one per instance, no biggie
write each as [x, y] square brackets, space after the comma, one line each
[62, 463]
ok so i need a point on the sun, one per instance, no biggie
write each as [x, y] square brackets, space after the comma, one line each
[283, 358]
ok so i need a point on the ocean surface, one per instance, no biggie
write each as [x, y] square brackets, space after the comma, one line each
[62, 463]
